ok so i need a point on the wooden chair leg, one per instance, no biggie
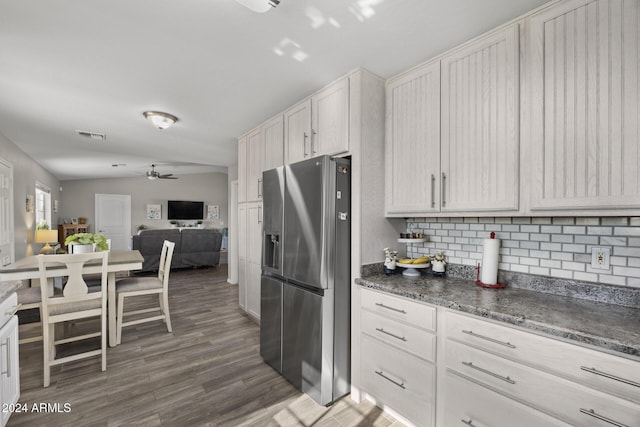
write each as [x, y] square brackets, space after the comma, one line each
[165, 310]
[103, 337]
[48, 336]
[119, 318]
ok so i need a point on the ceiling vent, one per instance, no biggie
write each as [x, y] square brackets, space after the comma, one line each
[92, 135]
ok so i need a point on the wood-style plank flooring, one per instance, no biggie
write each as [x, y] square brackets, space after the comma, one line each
[208, 372]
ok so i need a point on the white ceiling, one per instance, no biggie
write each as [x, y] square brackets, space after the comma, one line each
[96, 65]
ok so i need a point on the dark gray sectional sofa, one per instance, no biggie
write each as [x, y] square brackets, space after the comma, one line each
[194, 247]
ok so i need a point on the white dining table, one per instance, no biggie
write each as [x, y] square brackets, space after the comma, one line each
[119, 261]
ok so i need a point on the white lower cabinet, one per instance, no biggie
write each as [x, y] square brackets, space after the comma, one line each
[9, 362]
[397, 356]
[567, 382]
[468, 403]
[434, 366]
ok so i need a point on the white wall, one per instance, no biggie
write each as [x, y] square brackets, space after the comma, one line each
[78, 196]
[26, 172]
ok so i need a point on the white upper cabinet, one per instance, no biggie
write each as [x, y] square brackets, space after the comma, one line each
[330, 119]
[583, 62]
[480, 132]
[242, 169]
[297, 132]
[273, 150]
[254, 165]
[319, 125]
[413, 142]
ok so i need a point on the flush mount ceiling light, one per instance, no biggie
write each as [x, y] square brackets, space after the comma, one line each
[159, 119]
[259, 6]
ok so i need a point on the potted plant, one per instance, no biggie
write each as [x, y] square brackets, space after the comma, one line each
[199, 222]
[141, 228]
[90, 241]
[173, 223]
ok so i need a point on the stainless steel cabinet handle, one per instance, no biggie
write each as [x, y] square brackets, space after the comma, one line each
[259, 187]
[469, 423]
[444, 179]
[379, 304]
[7, 343]
[594, 414]
[259, 214]
[304, 143]
[433, 190]
[500, 377]
[473, 334]
[610, 376]
[401, 385]
[313, 137]
[390, 334]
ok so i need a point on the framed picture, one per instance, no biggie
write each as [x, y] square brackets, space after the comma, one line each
[74, 220]
[154, 211]
[213, 212]
[30, 203]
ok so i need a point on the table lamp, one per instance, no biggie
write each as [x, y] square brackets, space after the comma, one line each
[46, 237]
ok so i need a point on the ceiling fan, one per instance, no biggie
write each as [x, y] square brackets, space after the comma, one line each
[153, 174]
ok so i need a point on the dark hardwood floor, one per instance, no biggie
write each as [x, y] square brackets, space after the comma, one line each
[208, 372]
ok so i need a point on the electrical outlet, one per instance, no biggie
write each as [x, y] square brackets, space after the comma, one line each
[600, 258]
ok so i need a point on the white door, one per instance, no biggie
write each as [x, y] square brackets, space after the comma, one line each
[113, 219]
[7, 251]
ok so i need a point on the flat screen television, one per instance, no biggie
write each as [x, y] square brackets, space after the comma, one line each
[180, 209]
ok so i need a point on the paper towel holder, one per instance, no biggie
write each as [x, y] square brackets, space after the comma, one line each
[485, 285]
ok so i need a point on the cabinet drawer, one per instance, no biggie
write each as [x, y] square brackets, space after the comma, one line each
[467, 403]
[420, 315]
[406, 337]
[561, 398]
[398, 380]
[614, 374]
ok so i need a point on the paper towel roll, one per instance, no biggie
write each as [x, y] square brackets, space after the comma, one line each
[489, 270]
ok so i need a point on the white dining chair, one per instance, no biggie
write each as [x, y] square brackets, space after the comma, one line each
[76, 302]
[137, 286]
[30, 298]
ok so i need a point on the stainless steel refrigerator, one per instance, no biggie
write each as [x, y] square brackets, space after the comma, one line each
[305, 287]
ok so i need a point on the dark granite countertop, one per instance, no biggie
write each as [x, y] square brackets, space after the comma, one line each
[608, 326]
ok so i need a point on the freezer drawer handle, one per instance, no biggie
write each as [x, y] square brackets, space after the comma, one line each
[473, 334]
[469, 423]
[401, 385]
[390, 334]
[612, 377]
[379, 304]
[500, 377]
[594, 414]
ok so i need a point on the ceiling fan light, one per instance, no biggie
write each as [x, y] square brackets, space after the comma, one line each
[159, 119]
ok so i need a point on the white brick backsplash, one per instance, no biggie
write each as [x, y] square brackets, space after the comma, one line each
[587, 277]
[587, 221]
[563, 256]
[615, 221]
[573, 230]
[564, 221]
[633, 241]
[612, 280]
[545, 246]
[529, 245]
[617, 241]
[540, 237]
[557, 247]
[568, 247]
[587, 240]
[562, 238]
[626, 231]
[540, 271]
[576, 266]
[551, 229]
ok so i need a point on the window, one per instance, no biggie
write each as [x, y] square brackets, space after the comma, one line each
[43, 205]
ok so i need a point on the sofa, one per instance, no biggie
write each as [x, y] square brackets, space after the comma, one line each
[194, 247]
